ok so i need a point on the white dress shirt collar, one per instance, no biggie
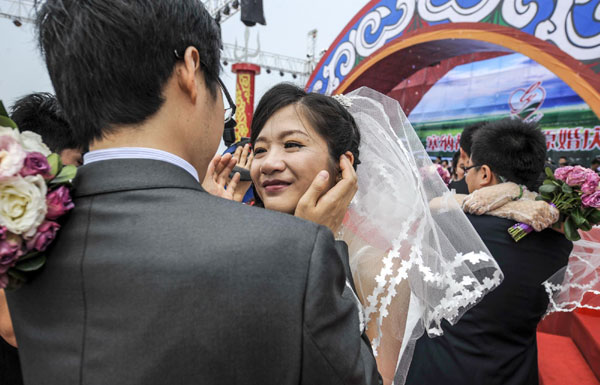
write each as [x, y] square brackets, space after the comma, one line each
[139, 153]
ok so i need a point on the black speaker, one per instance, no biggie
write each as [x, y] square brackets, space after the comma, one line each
[252, 12]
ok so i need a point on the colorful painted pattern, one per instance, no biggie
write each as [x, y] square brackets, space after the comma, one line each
[573, 26]
[244, 101]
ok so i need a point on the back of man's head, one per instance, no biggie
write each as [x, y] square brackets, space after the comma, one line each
[512, 149]
[110, 59]
[466, 137]
[40, 113]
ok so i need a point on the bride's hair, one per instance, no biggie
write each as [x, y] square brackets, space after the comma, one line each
[326, 116]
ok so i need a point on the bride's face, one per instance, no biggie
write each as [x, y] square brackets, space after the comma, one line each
[288, 155]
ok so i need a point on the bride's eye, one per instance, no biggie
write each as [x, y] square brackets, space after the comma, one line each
[293, 145]
[259, 150]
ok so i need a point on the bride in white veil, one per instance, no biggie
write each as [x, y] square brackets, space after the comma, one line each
[415, 258]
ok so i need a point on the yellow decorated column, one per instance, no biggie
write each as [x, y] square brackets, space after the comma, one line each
[244, 97]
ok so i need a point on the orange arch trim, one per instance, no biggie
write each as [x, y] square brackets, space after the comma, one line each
[568, 74]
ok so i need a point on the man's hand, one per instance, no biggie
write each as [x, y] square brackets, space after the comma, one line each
[217, 176]
[244, 156]
[328, 208]
[6, 328]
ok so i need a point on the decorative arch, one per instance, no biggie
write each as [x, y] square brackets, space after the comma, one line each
[388, 41]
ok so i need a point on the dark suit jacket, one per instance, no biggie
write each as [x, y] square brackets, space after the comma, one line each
[154, 281]
[460, 186]
[10, 368]
[495, 341]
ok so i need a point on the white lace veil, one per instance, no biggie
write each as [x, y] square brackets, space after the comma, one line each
[577, 285]
[415, 257]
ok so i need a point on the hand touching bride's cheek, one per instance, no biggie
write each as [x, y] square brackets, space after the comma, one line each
[289, 154]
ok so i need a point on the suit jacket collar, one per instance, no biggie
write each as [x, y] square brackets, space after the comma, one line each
[130, 174]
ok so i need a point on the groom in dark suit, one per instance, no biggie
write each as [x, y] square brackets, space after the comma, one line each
[151, 279]
[494, 343]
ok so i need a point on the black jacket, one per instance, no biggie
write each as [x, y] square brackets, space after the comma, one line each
[460, 186]
[10, 368]
[495, 341]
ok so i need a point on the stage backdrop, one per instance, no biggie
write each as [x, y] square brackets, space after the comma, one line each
[510, 85]
[396, 46]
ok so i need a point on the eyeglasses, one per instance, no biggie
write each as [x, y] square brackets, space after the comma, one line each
[229, 112]
[466, 169]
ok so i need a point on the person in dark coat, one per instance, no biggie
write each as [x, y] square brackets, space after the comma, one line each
[495, 341]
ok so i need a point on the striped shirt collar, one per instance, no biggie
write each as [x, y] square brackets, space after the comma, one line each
[139, 153]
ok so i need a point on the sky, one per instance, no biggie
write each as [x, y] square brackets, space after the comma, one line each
[23, 71]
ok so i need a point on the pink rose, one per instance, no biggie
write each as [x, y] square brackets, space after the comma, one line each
[10, 251]
[3, 232]
[444, 174]
[58, 202]
[562, 172]
[591, 182]
[591, 200]
[577, 176]
[44, 236]
[36, 164]
[12, 157]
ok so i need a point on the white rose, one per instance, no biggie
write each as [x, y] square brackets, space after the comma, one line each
[23, 204]
[12, 132]
[12, 157]
[32, 142]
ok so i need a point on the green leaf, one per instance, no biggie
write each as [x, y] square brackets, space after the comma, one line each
[3, 110]
[17, 274]
[567, 189]
[541, 197]
[548, 189]
[578, 217]
[586, 226]
[549, 173]
[5, 121]
[548, 181]
[594, 217]
[27, 256]
[55, 164]
[571, 230]
[66, 175]
[31, 264]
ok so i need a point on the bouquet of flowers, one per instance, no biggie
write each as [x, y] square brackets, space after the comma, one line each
[575, 192]
[34, 194]
[444, 174]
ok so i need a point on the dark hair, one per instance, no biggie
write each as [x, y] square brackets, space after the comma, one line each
[455, 159]
[40, 113]
[109, 59]
[512, 149]
[326, 116]
[466, 137]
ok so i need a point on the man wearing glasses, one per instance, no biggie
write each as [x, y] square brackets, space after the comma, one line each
[495, 341]
[151, 279]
